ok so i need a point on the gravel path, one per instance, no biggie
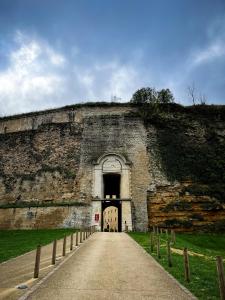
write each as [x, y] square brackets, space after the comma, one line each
[20, 270]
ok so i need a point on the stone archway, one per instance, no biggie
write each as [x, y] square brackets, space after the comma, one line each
[114, 164]
[111, 181]
[110, 218]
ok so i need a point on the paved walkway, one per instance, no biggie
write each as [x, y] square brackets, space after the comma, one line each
[110, 266]
[20, 270]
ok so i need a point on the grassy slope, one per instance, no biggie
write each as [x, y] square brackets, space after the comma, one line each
[17, 242]
[204, 282]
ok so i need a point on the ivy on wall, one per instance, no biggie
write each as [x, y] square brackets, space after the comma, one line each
[191, 144]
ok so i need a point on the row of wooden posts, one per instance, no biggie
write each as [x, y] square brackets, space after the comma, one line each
[155, 240]
[171, 239]
[80, 236]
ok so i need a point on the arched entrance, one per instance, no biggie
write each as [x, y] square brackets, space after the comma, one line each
[111, 216]
[111, 187]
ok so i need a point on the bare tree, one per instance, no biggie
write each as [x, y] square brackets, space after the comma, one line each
[195, 96]
[192, 93]
[114, 98]
[202, 99]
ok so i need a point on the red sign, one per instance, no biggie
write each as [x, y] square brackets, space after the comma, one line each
[96, 217]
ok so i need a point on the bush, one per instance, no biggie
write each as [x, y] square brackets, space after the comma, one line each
[175, 223]
[151, 96]
[214, 190]
[179, 205]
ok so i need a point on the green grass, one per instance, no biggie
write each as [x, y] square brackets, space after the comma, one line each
[17, 242]
[38, 204]
[204, 283]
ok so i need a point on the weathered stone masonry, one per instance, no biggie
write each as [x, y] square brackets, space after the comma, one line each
[48, 179]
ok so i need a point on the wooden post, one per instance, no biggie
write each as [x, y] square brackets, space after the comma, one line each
[173, 236]
[169, 254]
[71, 242]
[64, 247]
[167, 233]
[151, 241]
[186, 265]
[37, 262]
[76, 238]
[158, 246]
[157, 230]
[83, 235]
[80, 236]
[54, 252]
[221, 276]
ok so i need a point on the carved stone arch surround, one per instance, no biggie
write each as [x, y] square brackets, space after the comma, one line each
[111, 163]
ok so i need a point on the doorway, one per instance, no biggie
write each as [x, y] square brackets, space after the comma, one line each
[111, 215]
[110, 219]
[111, 186]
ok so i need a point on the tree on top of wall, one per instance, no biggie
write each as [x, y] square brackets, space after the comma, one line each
[151, 96]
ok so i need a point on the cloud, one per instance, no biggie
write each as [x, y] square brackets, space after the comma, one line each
[31, 76]
[38, 77]
[215, 49]
[103, 81]
[203, 66]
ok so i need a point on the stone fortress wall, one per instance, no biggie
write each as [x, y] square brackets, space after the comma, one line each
[47, 161]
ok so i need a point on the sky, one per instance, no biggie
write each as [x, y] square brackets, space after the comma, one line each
[59, 52]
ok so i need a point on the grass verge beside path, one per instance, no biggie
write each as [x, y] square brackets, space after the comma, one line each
[17, 242]
[203, 248]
